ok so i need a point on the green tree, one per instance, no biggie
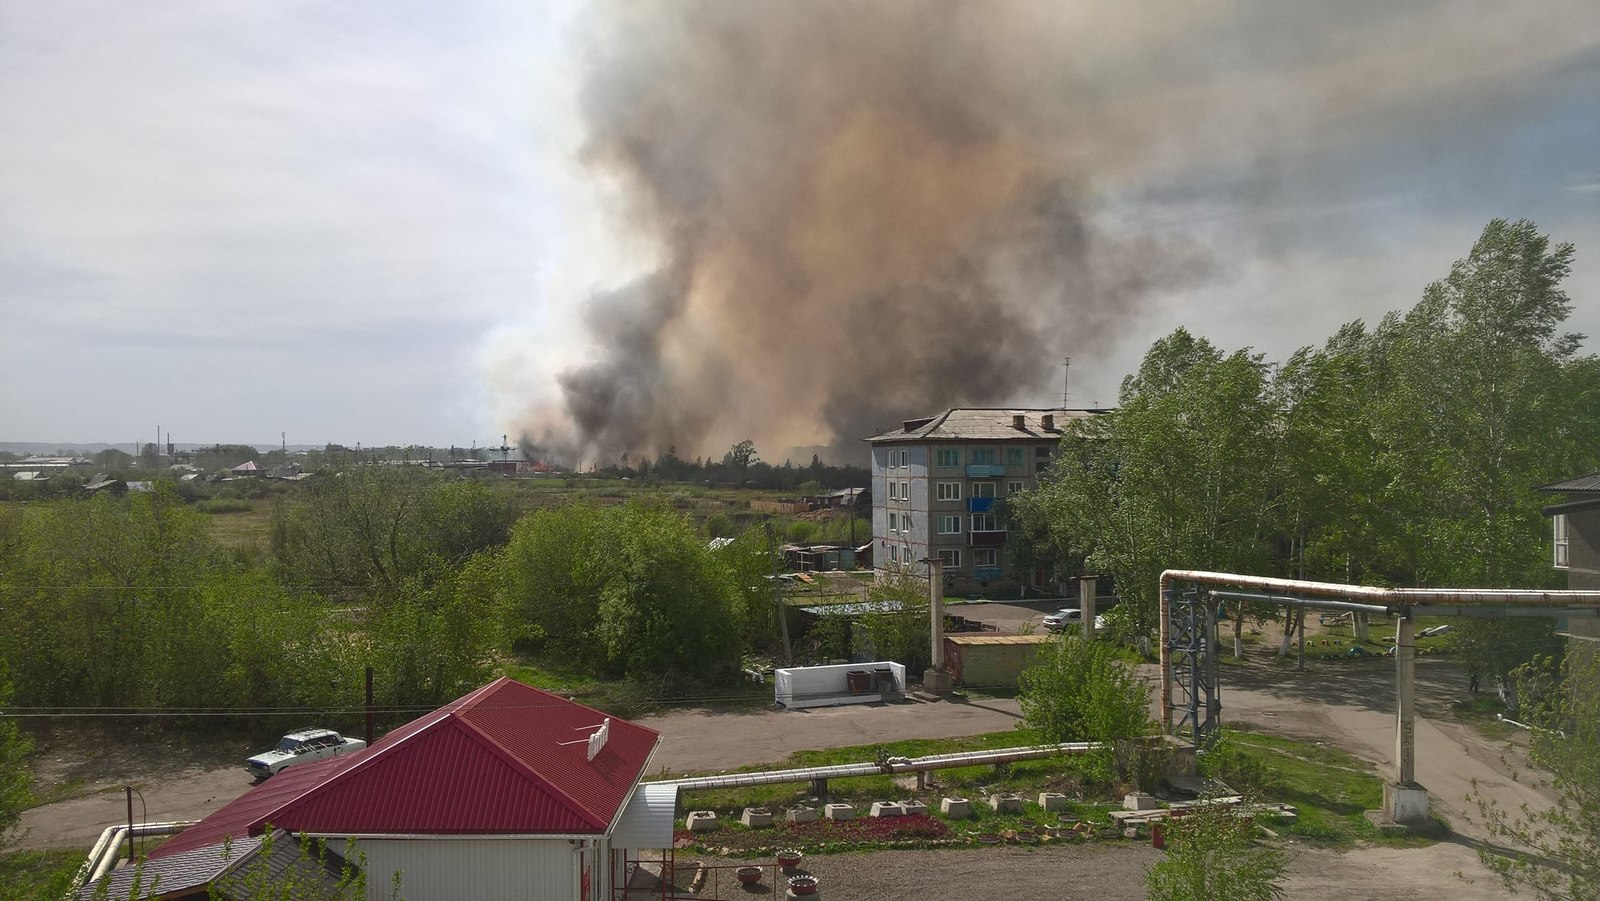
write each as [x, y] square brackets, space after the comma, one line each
[369, 530]
[1559, 856]
[897, 623]
[1082, 690]
[1474, 413]
[1212, 853]
[16, 780]
[1184, 474]
[630, 590]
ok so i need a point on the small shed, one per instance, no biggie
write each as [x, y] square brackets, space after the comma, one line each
[987, 659]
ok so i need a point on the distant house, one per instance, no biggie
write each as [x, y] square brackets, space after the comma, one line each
[248, 468]
[509, 792]
[1575, 532]
[1575, 527]
[105, 482]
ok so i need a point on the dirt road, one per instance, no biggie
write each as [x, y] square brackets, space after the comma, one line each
[1348, 704]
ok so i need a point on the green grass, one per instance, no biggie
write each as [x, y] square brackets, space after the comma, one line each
[42, 875]
[236, 528]
[1330, 788]
[1479, 711]
[627, 698]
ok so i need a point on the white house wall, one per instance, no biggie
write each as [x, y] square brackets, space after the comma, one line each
[482, 870]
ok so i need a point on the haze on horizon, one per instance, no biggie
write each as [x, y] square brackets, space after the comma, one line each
[395, 223]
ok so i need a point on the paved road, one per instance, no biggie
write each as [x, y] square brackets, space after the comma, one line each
[1349, 704]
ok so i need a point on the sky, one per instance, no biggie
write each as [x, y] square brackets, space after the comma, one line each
[386, 223]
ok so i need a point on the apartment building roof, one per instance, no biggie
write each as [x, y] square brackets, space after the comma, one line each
[986, 424]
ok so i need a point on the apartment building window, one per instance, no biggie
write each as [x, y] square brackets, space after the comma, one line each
[905, 522]
[1559, 522]
[949, 525]
[947, 456]
[985, 556]
[985, 522]
[1014, 456]
[983, 489]
[894, 553]
[1014, 487]
[894, 522]
[951, 558]
[905, 491]
[1041, 459]
[947, 491]
[983, 455]
[894, 491]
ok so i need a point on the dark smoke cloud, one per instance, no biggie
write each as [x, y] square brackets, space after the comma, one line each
[869, 211]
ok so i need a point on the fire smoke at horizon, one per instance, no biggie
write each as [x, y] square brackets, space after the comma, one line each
[868, 211]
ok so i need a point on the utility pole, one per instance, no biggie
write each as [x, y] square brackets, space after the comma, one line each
[370, 714]
[1086, 586]
[777, 593]
[128, 790]
[936, 679]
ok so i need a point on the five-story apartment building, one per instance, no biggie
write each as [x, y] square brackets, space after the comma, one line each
[936, 481]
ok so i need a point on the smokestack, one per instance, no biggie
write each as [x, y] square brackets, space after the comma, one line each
[1048, 422]
[1019, 421]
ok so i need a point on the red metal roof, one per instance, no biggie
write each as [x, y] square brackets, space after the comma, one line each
[492, 762]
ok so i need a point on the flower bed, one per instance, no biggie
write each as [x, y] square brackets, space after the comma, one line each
[913, 830]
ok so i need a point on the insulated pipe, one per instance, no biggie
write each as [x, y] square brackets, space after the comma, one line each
[912, 765]
[103, 856]
[1387, 597]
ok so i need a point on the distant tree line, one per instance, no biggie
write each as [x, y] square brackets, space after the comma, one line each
[741, 466]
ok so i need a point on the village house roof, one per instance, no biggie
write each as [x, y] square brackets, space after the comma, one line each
[984, 424]
[507, 759]
[1590, 482]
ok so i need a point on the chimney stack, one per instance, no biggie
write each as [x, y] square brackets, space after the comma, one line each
[1048, 422]
[1018, 421]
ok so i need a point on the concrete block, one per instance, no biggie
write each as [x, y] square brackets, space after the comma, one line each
[839, 812]
[703, 821]
[756, 817]
[1140, 801]
[802, 815]
[1405, 804]
[936, 680]
[956, 808]
[887, 809]
[1052, 801]
[1006, 802]
[913, 807]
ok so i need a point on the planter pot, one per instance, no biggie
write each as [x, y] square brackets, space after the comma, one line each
[788, 858]
[803, 885]
[749, 875]
[989, 838]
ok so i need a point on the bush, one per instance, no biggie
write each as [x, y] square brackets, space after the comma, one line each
[1211, 853]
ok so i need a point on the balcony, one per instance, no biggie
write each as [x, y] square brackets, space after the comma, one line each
[979, 504]
[989, 539]
[985, 470]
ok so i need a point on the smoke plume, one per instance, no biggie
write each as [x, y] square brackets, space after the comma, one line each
[869, 211]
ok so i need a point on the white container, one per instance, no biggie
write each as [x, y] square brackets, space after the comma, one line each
[798, 687]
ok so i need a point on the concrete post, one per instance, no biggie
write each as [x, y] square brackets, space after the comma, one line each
[936, 679]
[1404, 801]
[1166, 663]
[1086, 586]
[1405, 679]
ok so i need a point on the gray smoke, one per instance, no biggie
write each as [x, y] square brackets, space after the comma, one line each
[870, 211]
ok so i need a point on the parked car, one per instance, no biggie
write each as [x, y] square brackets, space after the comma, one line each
[1069, 616]
[302, 746]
